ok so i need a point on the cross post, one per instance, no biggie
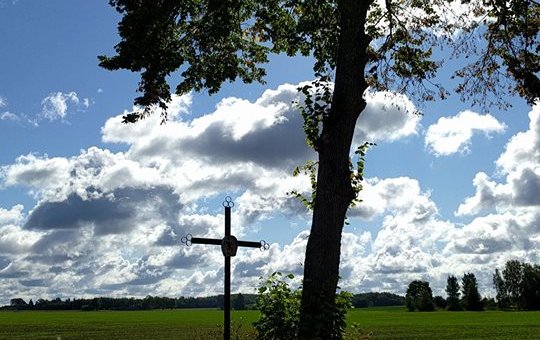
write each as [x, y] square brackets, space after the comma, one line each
[229, 246]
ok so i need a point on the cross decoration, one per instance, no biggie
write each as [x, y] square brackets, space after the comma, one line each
[229, 245]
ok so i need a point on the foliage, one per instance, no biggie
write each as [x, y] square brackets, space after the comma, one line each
[375, 299]
[510, 31]
[213, 42]
[503, 300]
[440, 302]
[147, 303]
[356, 177]
[452, 291]
[239, 303]
[419, 297]
[518, 286]
[279, 306]
[471, 299]
[530, 291]
[18, 302]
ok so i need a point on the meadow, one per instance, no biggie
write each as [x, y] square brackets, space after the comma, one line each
[376, 323]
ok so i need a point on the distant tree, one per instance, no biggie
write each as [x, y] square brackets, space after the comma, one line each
[371, 299]
[518, 286]
[419, 296]
[471, 300]
[239, 302]
[440, 302]
[18, 303]
[503, 301]
[452, 291]
[531, 287]
[513, 278]
[31, 304]
[489, 303]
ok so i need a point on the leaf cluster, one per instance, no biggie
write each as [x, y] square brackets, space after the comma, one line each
[279, 307]
[215, 41]
[356, 177]
[502, 42]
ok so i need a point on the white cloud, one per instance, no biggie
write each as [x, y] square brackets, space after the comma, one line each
[387, 117]
[9, 116]
[6, 115]
[55, 106]
[520, 164]
[452, 135]
[109, 223]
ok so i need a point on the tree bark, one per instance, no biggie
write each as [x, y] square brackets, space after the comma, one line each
[334, 191]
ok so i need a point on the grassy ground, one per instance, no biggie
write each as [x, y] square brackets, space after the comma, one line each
[382, 323]
[397, 323]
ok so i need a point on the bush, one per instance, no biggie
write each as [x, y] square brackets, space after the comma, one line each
[280, 310]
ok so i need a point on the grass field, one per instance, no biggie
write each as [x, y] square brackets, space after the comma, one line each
[382, 323]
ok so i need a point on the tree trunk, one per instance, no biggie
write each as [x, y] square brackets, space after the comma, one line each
[334, 191]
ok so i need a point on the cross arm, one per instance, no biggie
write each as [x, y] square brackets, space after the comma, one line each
[200, 240]
[249, 244]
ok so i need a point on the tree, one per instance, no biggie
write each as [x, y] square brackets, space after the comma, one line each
[513, 278]
[531, 287]
[419, 297]
[518, 286]
[213, 41]
[471, 300]
[503, 301]
[18, 303]
[452, 291]
[240, 302]
[440, 302]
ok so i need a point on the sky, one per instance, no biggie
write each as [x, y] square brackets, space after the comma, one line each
[92, 207]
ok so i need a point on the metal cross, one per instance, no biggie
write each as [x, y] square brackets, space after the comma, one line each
[229, 245]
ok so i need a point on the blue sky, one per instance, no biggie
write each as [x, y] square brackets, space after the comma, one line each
[89, 206]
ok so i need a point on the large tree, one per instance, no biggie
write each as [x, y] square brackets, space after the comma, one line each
[356, 44]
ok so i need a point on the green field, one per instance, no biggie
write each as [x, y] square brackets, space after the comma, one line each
[382, 323]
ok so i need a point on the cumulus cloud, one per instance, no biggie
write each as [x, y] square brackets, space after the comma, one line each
[6, 115]
[55, 106]
[452, 135]
[520, 166]
[9, 116]
[109, 223]
[387, 117]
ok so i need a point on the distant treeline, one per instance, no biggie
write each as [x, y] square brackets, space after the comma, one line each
[517, 287]
[238, 302]
[364, 300]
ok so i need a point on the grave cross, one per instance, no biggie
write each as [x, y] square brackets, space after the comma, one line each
[229, 245]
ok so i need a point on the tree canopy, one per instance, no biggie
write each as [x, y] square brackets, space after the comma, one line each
[419, 297]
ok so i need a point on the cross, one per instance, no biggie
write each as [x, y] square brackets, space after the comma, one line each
[229, 245]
